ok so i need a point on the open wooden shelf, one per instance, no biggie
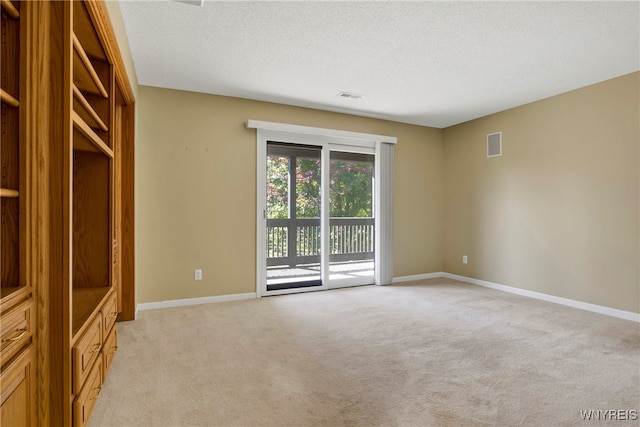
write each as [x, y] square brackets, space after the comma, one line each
[84, 29]
[85, 139]
[6, 291]
[10, 296]
[6, 192]
[85, 302]
[8, 99]
[10, 9]
[85, 76]
[12, 234]
[84, 109]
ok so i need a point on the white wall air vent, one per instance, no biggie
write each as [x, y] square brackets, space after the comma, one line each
[494, 144]
[350, 95]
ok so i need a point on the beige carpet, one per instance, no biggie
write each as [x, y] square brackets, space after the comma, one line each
[431, 353]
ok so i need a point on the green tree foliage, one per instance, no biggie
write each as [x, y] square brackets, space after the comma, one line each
[351, 188]
[308, 188]
[277, 187]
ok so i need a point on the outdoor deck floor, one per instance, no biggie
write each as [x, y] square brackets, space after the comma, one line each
[342, 270]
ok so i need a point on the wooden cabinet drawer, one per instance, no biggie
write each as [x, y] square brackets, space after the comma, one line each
[109, 350]
[16, 329]
[17, 405]
[84, 403]
[86, 352]
[109, 313]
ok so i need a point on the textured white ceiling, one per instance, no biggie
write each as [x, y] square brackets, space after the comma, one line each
[427, 63]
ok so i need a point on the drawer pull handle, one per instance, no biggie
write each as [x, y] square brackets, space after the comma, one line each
[96, 348]
[97, 395]
[22, 333]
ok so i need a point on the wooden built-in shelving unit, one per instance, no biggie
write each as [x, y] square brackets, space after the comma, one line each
[92, 91]
[12, 177]
[17, 354]
[66, 156]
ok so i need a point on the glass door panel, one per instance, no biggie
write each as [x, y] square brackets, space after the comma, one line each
[293, 216]
[351, 223]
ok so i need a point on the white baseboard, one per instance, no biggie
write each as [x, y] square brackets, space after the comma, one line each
[192, 301]
[425, 276]
[621, 314]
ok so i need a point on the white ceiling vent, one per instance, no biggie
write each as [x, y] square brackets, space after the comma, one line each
[199, 3]
[494, 144]
[350, 95]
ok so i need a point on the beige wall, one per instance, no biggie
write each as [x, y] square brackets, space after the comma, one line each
[196, 191]
[559, 212]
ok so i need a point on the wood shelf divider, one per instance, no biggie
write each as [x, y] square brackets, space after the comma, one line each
[84, 29]
[86, 111]
[10, 9]
[84, 75]
[85, 303]
[10, 296]
[8, 99]
[90, 140]
[5, 192]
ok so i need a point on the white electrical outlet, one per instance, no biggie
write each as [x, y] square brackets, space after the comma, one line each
[464, 259]
[197, 274]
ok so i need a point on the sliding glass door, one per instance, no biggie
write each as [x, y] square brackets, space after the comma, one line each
[294, 204]
[320, 229]
[351, 222]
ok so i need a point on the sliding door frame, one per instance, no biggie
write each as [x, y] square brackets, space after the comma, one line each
[328, 139]
[342, 148]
